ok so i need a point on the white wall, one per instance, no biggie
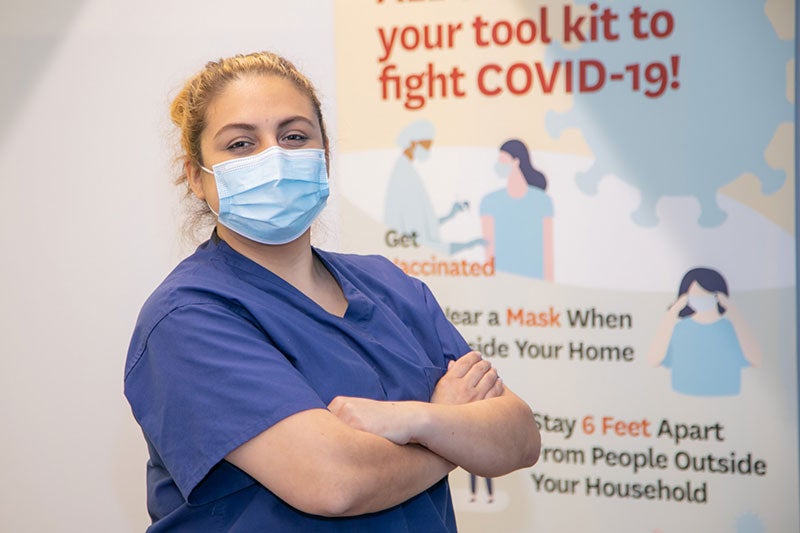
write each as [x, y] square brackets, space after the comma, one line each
[90, 224]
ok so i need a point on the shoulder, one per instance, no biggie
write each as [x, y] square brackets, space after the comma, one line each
[371, 267]
[539, 197]
[202, 280]
[493, 199]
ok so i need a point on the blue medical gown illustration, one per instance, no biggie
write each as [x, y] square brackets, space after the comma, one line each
[408, 208]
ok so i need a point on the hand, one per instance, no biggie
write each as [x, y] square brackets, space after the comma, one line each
[458, 207]
[679, 304]
[456, 247]
[723, 299]
[390, 420]
[468, 379]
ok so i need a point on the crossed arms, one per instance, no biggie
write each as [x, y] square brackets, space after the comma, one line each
[361, 456]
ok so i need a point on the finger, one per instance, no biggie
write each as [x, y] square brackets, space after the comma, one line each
[463, 364]
[335, 404]
[477, 372]
[486, 383]
[497, 390]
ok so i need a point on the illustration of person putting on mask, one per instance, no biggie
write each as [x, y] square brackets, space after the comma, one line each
[408, 207]
[703, 338]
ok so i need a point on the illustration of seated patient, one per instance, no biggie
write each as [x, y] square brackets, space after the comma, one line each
[517, 220]
[408, 208]
[703, 339]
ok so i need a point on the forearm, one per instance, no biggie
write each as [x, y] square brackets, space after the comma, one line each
[489, 438]
[547, 249]
[377, 474]
[472, 420]
[660, 343]
[320, 466]
[750, 348]
[487, 228]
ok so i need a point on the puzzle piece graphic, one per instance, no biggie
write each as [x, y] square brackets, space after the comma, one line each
[700, 136]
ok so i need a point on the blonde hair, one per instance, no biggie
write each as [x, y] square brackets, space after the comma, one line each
[188, 109]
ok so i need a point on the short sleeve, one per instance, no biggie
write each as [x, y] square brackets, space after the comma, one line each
[487, 205]
[675, 339]
[452, 342]
[547, 205]
[207, 380]
[540, 202]
[731, 344]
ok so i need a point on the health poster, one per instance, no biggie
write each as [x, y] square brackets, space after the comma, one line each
[602, 198]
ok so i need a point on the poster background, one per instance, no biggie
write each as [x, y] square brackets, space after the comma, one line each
[91, 223]
[658, 166]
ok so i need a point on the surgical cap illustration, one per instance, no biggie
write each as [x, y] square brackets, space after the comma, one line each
[723, 99]
[408, 208]
[703, 339]
[517, 220]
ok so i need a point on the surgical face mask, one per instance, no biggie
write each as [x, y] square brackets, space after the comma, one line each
[272, 197]
[421, 153]
[703, 302]
[502, 169]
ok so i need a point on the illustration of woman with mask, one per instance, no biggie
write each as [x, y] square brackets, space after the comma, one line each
[703, 338]
[517, 220]
[281, 387]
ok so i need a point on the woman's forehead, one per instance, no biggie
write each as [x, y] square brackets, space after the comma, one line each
[258, 97]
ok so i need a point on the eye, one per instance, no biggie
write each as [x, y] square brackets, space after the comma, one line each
[238, 145]
[294, 139]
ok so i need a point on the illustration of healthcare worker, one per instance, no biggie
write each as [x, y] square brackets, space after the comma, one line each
[703, 339]
[408, 208]
[517, 220]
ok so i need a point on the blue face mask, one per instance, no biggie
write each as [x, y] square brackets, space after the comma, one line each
[272, 197]
[502, 169]
[703, 302]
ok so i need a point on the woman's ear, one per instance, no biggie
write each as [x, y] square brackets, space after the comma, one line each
[194, 178]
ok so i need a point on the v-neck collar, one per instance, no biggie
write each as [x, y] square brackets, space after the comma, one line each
[359, 307]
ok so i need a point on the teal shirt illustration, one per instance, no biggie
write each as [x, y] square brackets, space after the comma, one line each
[518, 230]
[705, 359]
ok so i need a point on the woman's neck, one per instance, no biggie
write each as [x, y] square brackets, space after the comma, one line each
[517, 185]
[295, 263]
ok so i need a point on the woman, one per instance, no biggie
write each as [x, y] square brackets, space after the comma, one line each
[280, 387]
[517, 220]
[703, 339]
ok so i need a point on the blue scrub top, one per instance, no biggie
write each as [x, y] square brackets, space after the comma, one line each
[223, 349]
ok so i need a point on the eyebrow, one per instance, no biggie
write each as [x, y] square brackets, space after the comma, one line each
[252, 127]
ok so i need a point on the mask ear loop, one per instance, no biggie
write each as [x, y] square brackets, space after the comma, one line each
[209, 205]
